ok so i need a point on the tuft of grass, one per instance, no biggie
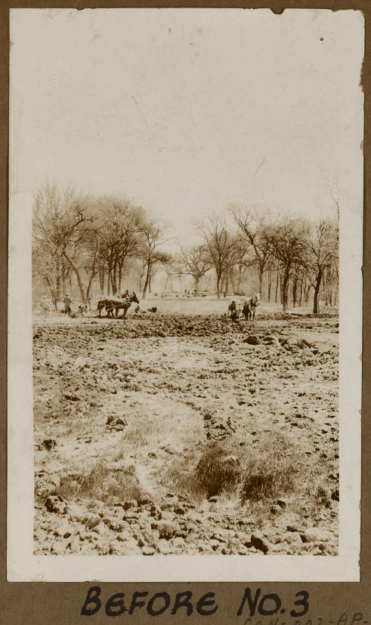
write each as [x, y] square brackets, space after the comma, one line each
[253, 474]
[138, 435]
[272, 470]
[167, 428]
[100, 483]
[264, 471]
[179, 476]
[322, 496]
[217, 470]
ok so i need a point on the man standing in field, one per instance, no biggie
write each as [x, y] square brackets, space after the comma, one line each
[126, 296]
[45, 306]
[233, 310]
[67, 304]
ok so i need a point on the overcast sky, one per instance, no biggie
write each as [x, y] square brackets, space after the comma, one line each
[188, 110]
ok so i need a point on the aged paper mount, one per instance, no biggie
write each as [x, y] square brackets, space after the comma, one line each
[22, 564]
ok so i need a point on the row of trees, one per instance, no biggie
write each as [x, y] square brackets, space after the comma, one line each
[298, 255]
[93, 238]
[101, 240]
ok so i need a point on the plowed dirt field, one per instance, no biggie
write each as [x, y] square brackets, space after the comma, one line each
[175, 434]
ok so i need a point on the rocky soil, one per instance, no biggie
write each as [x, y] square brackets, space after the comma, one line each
[122, 408]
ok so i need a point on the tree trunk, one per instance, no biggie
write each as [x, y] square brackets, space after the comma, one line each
[285, 289]
[316, 292]
[294, 291]
[141, 275]
[221, 285]
[147, 279]
[120, 278]
[52, 292]
[301, 293]
[78, 277]
[114, 279]
[277, 285]
[101, 280]
[109, 280]
[239, 278]
[218, 279]
[58, 282]
[261, 274]
[226, 287]
[63, 272]
[269, 285]
[150, 276]
[92, 276]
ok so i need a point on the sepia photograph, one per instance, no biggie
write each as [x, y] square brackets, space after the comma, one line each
[185, 294]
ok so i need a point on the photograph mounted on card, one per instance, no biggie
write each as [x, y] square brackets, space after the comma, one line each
[185, 295]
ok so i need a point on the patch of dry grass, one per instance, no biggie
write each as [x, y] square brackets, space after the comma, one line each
[180, 478]
[254, 475]
[166, 427]
[101, 483]
[140, 434]
[273, 469]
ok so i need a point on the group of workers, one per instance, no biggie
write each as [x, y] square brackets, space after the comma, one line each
[46, 306]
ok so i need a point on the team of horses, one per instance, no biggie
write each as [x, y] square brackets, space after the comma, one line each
[247, 308]
[114, 304]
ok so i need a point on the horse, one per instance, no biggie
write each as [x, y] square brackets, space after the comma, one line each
[115, 304]
[250, 305]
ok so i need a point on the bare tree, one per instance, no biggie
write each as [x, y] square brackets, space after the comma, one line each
[242, 261]
[85, 236]
[195, 261]
[323, 251]
[288, 244]
[58, 223]
[221, 246]
[254, 228]
[153, 232]
[119, 236]
[173, 268]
